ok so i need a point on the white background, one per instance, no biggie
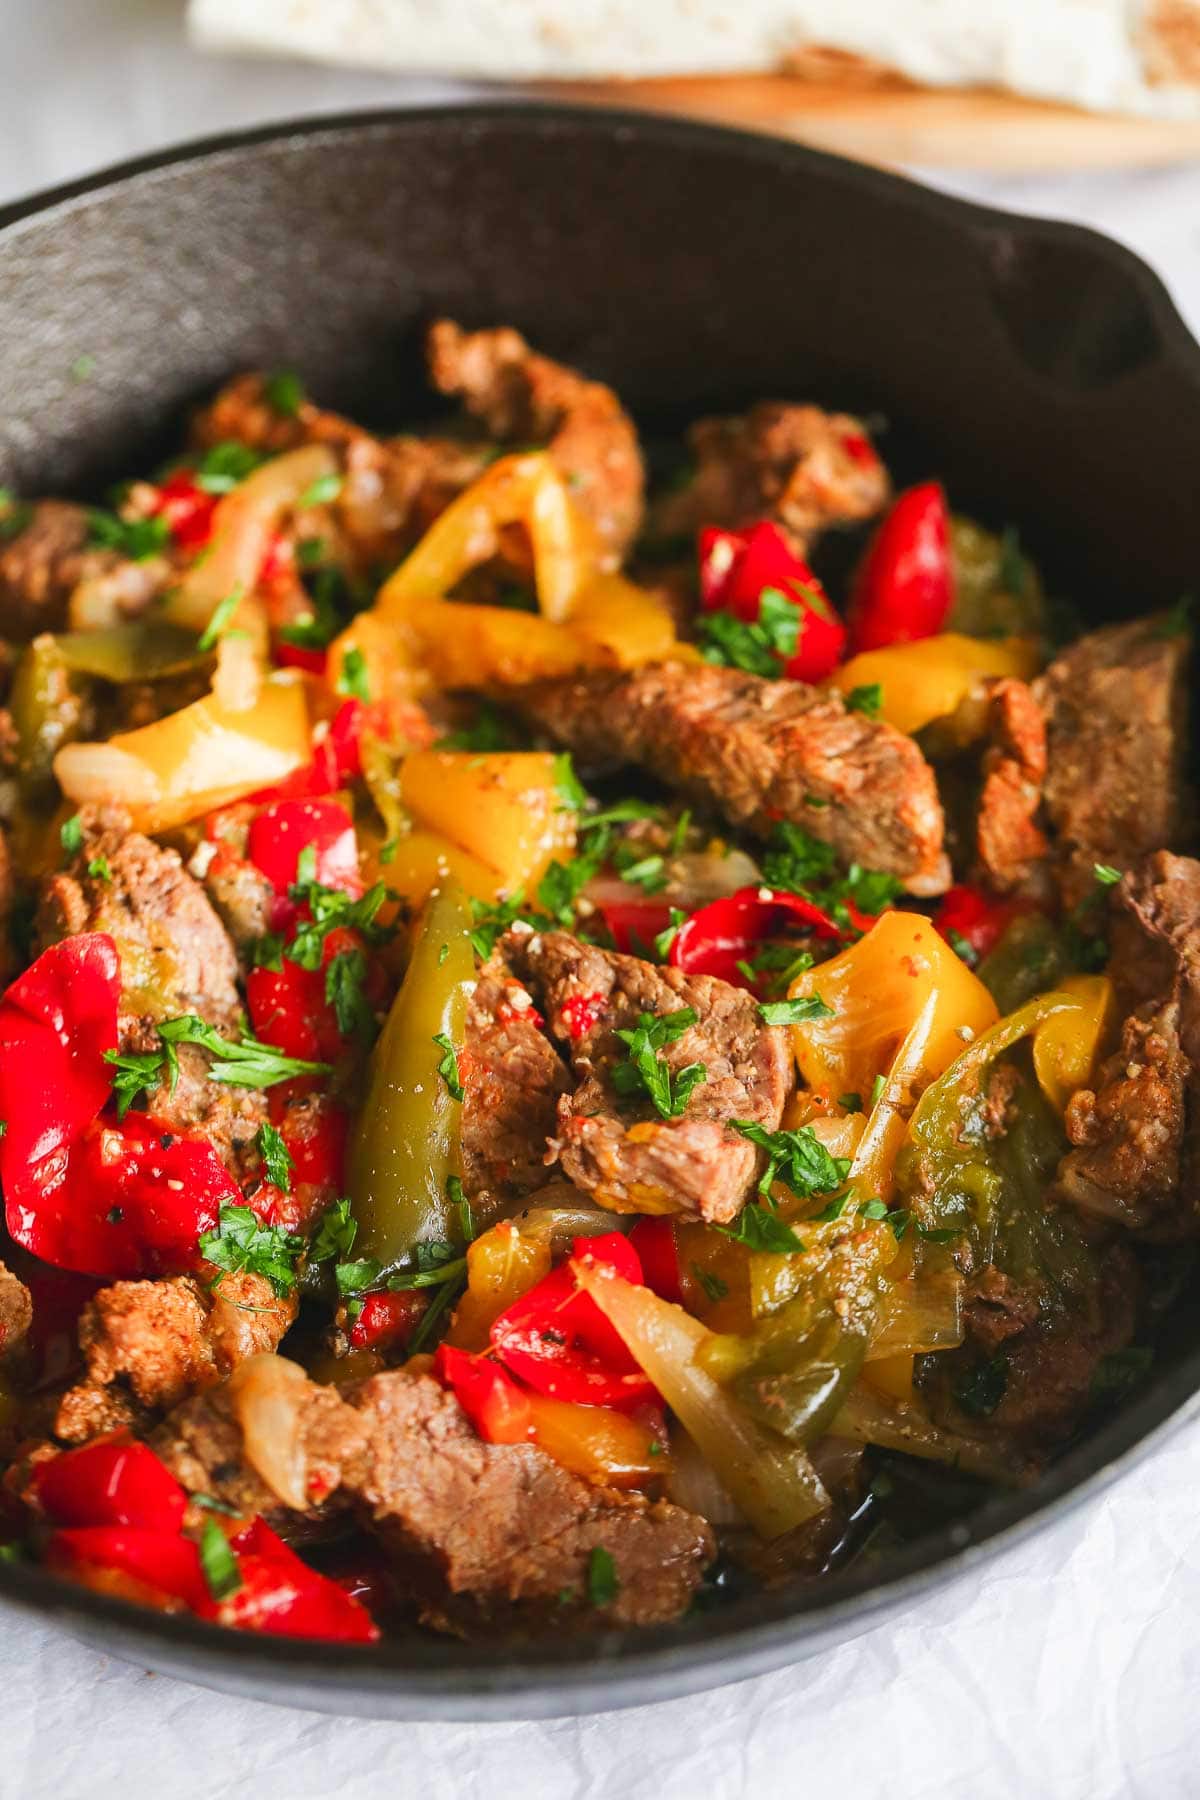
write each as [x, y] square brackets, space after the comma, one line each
[1070, 1667]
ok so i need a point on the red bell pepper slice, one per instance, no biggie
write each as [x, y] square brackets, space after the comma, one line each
[308, 657]
[286, 828]
[975, 918]
[337, 757]
[496, 1406]
[903, 589]
[658, 1253]
[387, 1320]
[187, 509]
[288, 1008]
[717, 937]
[557, 1341]
[123, 1201]
[56, 1022]
[735, 569]
[634, 924]
[156, 1560]
[112, 1481]
[280, 1595]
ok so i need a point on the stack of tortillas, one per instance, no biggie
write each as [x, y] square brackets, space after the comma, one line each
[819, 69]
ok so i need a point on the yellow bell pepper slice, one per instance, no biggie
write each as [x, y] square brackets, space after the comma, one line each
[192, 761]
[926, 680]
[877, 989]
[502, 1264]
[413, 865]
[523, 489]
[596, 1442]
[1067, 1044]
[503, 808]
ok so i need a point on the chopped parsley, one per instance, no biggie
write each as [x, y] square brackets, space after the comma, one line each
[877, 1090]
[759, 1228]
[138, 1073]
[241, 1245]
[15, 515]
[284, 393]
[488, 731]
[335, 1235]
[572, 795]
[345, 990]
[795, 1012]
[277, 1158]
[137, 539]
[797, 1158]
[851, 1103]
[218, 1562]
[320, 492]
[1106, 875]
[603, 1585]
[759, 648]
[714, 1288]
[314, 629]
[330, 909]
[225, 467]
[448, 1066]
[962, 947]
[801, 864]
[646, 1070]
[456, 1194]
[666, 937]
[352, 676]
[433, 1265]
[244, 1062]
[357, 1277]
[99, 868]
[867, 699]
[221, 615]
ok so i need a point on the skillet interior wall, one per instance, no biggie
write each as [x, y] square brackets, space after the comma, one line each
[675, 262]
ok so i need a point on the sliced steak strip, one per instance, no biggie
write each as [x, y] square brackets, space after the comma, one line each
[1010, 844]
[392, 489]
[148, 1344]
[1136, 1160]
[617, 1146]
[485, 1535]
[760, 752]
[802, 467]
[512, 1080]
[1115, 705]
[524, 397]
[16, 1311]
[176, 955]
[42, 564]
[501, 1535]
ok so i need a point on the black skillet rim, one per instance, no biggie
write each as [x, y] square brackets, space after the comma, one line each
[442, 1680]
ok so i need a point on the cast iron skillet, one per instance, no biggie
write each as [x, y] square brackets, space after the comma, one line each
[1039, 367]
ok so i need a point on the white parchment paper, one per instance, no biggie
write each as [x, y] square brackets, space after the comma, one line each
[1067, 1669]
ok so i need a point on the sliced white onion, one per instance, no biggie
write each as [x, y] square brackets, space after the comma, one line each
[693, 1483]
[770, 1480]
[268, 1394]
[238, 678]
[104, 774]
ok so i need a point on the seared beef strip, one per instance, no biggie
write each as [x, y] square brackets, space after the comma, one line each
[526, 398]
[1051, 1357]
[760, 752]
[1115, 704]
[617, 1146]
[512, 1080]
[16, 1311]
[1010, 844]
[1136, 1133]
[176, 957]
[802, 467]
[392, 489]
[486, 1535]
[43, 564]
[148, 1344]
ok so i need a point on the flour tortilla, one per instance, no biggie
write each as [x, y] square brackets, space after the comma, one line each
[1115, 55]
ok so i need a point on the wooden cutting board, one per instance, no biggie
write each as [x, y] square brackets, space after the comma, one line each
[888, 121]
